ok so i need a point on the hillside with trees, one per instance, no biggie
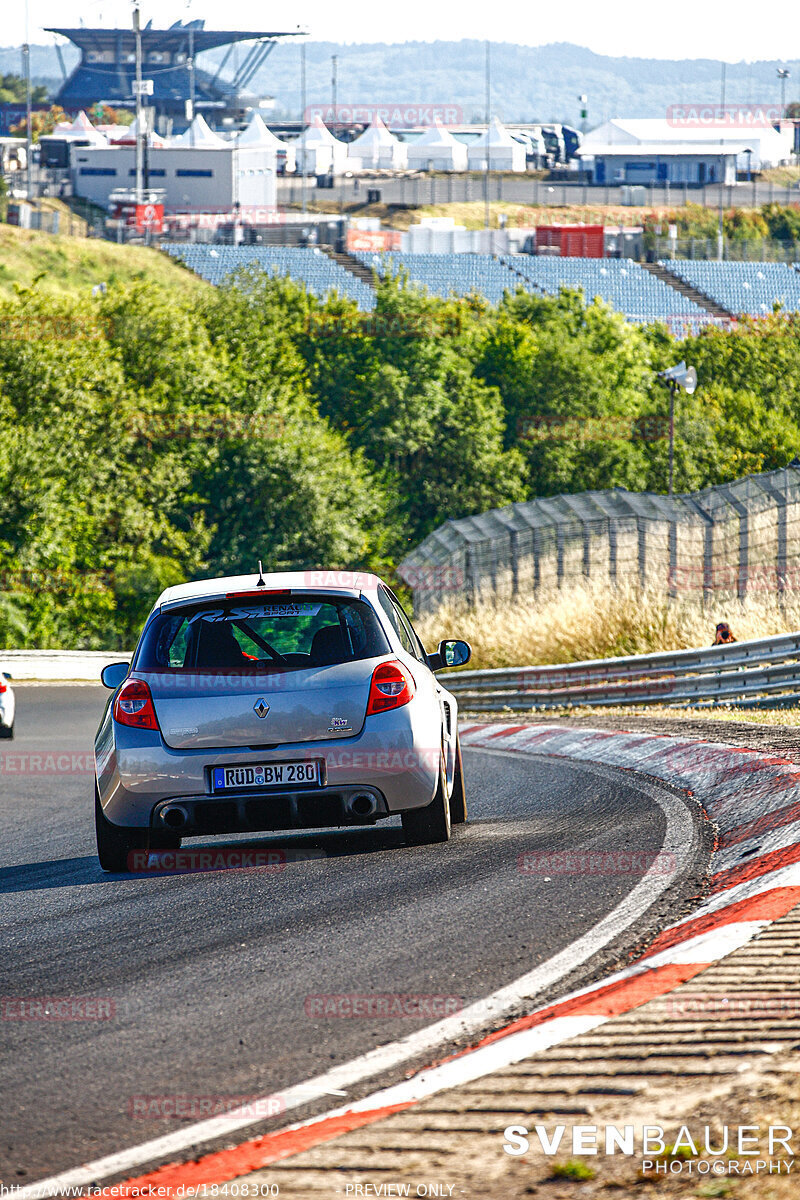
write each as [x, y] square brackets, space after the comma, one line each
[156, 432]
[530, 83]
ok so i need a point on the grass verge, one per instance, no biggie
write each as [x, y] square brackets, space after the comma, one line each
[589, 621]
[68, 264]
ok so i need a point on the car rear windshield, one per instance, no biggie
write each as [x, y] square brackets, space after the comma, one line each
[274, 635]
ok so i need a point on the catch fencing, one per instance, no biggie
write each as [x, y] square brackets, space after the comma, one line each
[729, 540]
[763, 673]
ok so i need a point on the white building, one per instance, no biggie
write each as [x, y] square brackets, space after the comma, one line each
[201, 178]
[379, 149]
[497, 149]
[437, 150]
[682, 150]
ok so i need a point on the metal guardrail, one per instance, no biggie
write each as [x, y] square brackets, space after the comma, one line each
[763, 673]
[53, 666]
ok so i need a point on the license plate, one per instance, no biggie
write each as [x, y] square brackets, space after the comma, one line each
[266, 775]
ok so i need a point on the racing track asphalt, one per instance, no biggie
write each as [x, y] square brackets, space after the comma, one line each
[206, 975]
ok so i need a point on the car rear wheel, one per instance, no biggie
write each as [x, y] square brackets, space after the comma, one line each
[458, 796]
[424, 826]
[6, 731]
[114, 844]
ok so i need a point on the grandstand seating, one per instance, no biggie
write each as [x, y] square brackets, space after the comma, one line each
[738, 287]
[741, 287]
[320, 274]
[445, 274]
[622, 283]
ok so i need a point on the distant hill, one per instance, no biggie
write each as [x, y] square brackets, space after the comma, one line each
[528, 82]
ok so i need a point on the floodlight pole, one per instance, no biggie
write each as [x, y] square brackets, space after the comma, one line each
[783, 75]
[674, 378]
[488, 108]
[334, 82]
[190, 65]
[138, 98]
[302, 124]
[720, 218]
[672, 386]
[26, 62]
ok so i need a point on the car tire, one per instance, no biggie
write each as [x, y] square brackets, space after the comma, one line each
[6, 731]
[458, 796]
[431, 824]
[114, 844]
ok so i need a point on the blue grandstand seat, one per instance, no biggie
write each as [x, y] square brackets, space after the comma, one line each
[320, 274]
[754, 288]
[621, 283]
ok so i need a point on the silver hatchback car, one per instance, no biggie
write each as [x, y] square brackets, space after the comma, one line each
[299, 700]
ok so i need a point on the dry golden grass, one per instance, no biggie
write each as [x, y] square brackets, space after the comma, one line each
[589, 621]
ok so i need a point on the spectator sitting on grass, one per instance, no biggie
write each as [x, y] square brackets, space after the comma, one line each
[723, 635]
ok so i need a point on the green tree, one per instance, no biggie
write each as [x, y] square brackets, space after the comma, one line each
[576, 382]
[12, 91]
[401, 383]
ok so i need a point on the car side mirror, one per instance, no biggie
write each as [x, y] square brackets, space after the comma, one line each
[451, 653]
[114, 674]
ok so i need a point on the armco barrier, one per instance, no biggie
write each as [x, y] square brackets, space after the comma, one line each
[763, 673]
[51, 666]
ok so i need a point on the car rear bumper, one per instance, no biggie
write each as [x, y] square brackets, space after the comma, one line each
[395, 757]
[316, 808]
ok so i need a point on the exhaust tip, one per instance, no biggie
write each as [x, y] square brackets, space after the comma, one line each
[174, 816]
[362, 805]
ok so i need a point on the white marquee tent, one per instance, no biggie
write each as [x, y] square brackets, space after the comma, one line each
[497, 147]
[81, 129]
[126, 135]
[319, 152]
[377, 147]
[257, 134]
[199, 136]
[437, 150]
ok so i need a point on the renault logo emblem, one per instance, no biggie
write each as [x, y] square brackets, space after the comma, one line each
[261, 708]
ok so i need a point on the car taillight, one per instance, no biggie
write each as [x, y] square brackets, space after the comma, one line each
[2, 685]
[392, 686]
[134, 706]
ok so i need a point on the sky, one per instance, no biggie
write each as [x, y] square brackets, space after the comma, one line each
[682, 29]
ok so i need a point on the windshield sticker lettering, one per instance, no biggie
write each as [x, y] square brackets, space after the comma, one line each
[256, 612]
